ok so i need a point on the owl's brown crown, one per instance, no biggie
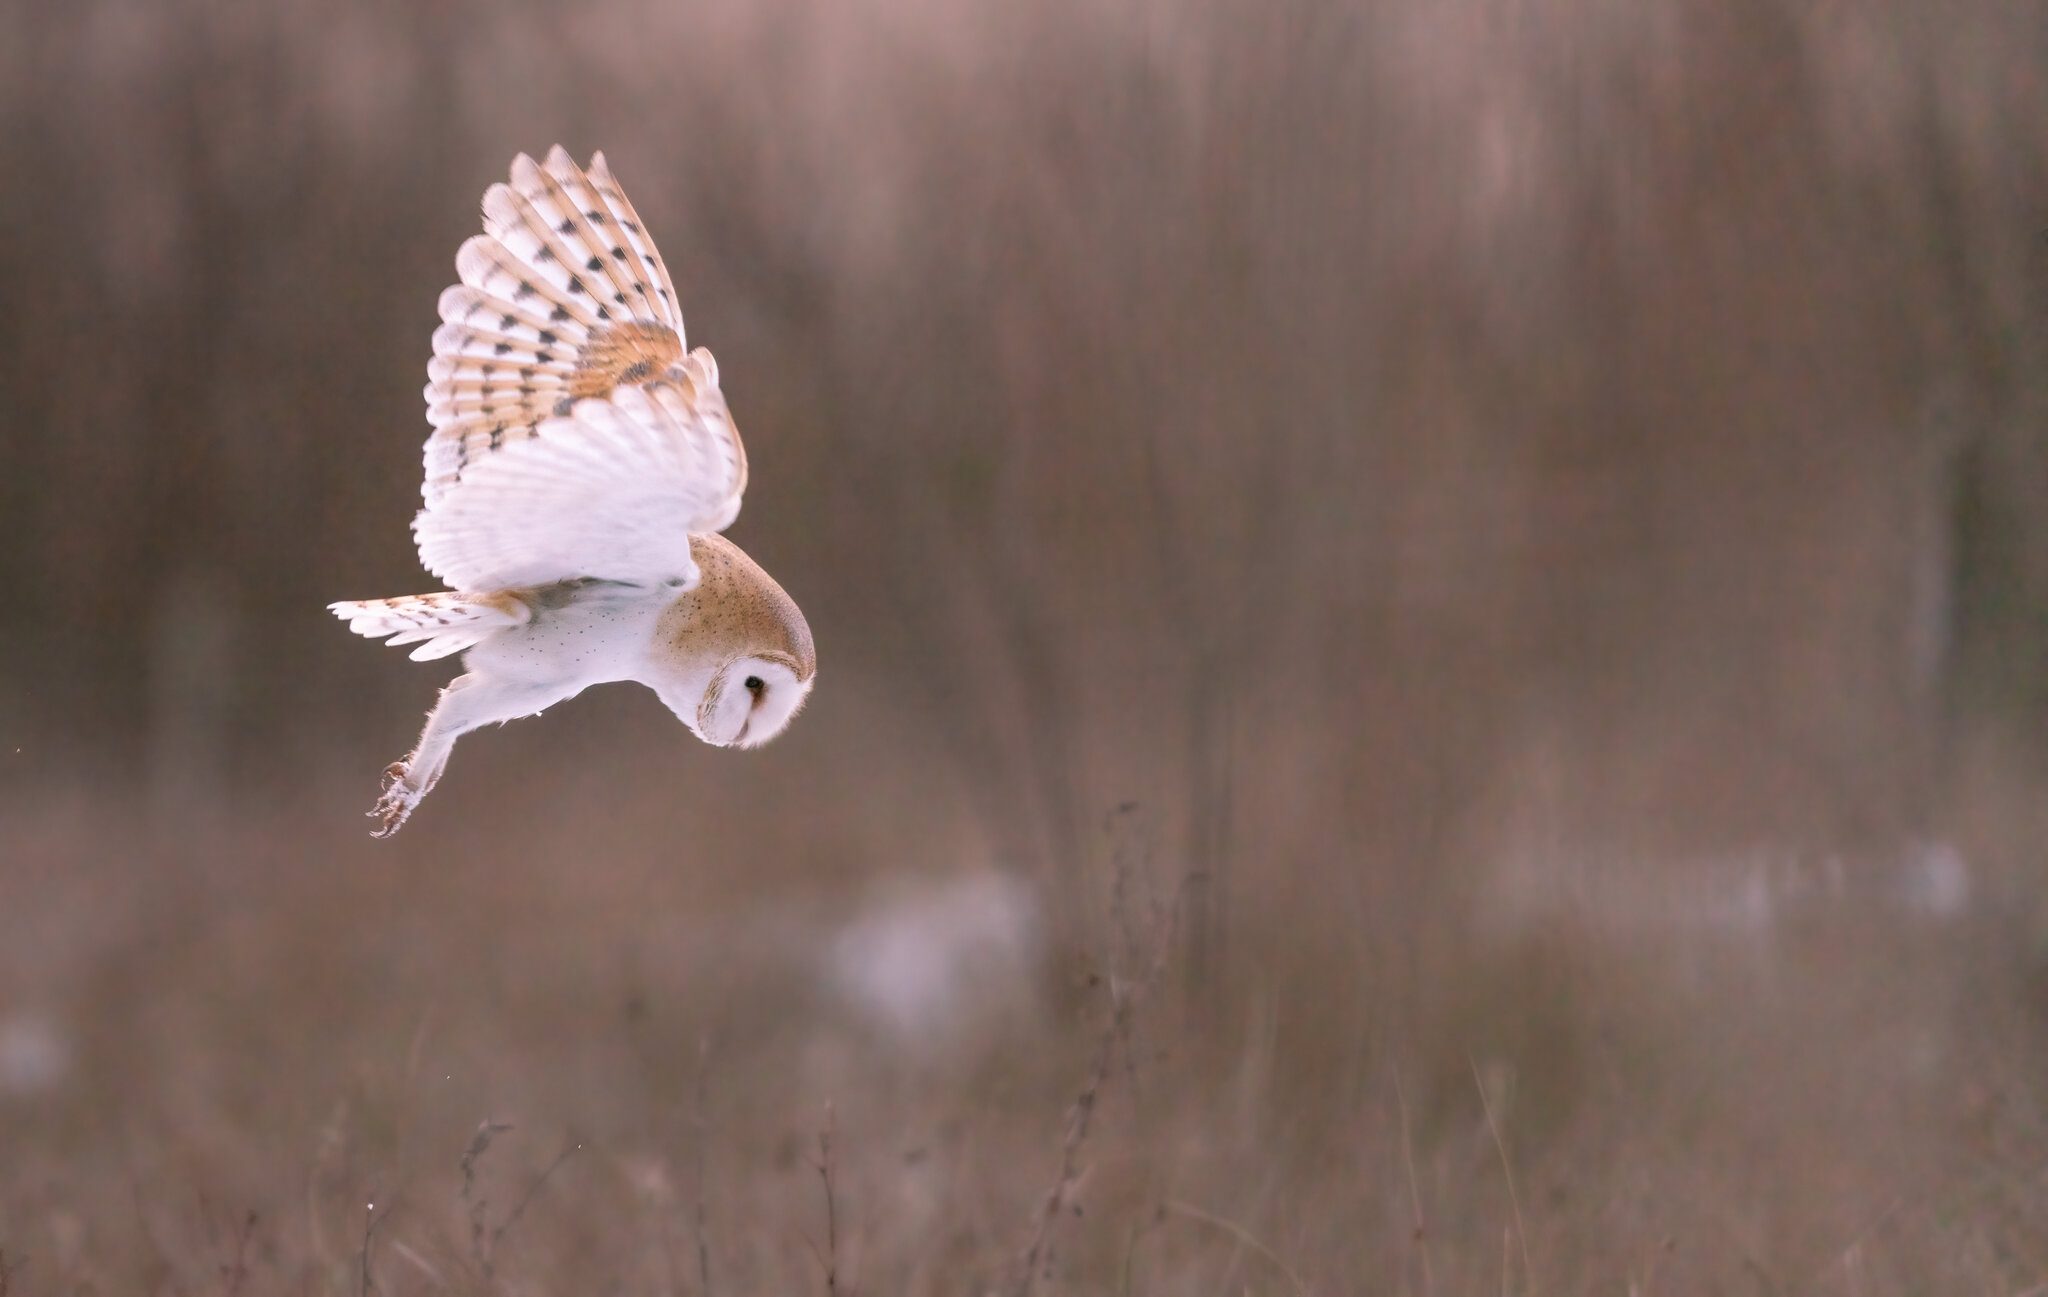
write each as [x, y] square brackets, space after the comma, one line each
[737, 608]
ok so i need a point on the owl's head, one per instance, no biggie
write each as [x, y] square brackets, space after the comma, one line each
[733, 656]
[751, 699]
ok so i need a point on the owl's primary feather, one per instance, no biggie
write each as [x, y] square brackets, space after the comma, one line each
[572, 435]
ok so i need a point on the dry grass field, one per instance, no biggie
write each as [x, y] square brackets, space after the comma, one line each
[1433, 622]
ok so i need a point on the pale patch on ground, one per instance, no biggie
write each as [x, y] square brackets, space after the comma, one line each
[923, 963]
[35, 1054]
[1748, 894]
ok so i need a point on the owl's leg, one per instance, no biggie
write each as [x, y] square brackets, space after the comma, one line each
[469, 702]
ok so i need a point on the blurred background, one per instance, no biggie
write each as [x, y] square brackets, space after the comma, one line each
[1434, 643]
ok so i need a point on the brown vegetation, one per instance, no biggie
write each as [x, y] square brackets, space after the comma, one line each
[1539, 507]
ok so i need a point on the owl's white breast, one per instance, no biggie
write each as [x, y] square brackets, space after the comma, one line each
[584, 637]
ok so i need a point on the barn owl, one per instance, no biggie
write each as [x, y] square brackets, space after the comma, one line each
[581, 466]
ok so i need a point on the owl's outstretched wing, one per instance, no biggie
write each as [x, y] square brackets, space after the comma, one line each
[572, 435]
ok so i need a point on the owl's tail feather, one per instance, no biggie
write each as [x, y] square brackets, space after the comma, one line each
[441, 624]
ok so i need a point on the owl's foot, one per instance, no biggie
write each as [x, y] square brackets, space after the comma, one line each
[397, 802]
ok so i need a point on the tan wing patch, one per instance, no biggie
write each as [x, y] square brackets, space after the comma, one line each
[624, 355]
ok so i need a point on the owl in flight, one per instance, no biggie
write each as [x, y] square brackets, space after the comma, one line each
[581, 466]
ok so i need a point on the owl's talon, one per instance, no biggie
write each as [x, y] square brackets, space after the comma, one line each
[396, 804]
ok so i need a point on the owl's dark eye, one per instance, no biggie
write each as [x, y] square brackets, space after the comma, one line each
[754, 685]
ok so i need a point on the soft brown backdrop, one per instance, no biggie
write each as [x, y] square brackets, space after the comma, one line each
[1539, 505]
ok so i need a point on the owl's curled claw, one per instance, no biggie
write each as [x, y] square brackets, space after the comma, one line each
[396, 804]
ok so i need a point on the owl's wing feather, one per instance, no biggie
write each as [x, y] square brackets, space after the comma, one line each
[572, 436]
[605, 242]
[628, 220]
